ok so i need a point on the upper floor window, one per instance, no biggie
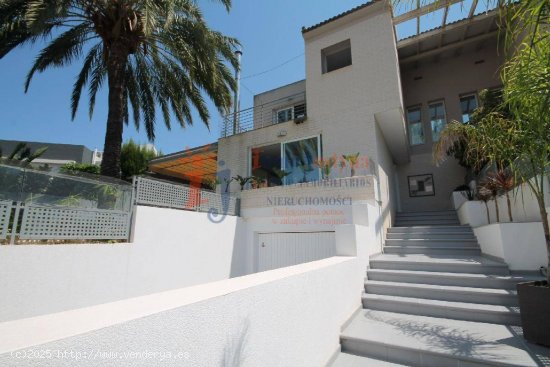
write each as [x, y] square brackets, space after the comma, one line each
[336, 56]
[289, 113]
[468, 103]
[416, 131]
[285, 114]
[437, 119]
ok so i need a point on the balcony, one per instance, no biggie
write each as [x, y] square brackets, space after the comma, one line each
[289, 108]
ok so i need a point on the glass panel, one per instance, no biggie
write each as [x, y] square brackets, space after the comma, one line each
[299, 158]
[266, 165]
[284, 115]
[416, 132]
[437, 120]
[467, 105]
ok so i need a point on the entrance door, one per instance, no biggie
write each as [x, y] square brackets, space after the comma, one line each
[281, 249]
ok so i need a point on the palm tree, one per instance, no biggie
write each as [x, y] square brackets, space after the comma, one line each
[22, 154]
[151, 55]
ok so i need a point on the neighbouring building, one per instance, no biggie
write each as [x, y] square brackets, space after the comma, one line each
[57, 154]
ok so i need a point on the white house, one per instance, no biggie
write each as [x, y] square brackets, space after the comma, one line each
[326, 263]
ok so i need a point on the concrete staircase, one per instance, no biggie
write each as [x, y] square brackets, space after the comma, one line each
[431, 299]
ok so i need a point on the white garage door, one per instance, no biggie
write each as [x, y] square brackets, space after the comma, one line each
[277, 250]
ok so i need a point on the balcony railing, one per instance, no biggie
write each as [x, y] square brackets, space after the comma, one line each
[289, 108]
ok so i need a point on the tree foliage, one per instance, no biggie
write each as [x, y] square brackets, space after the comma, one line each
[152, 55]
[134, 159]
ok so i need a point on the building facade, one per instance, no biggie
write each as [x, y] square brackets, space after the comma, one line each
[367, 94]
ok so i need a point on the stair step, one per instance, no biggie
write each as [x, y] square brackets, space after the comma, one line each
[435, 250]
[429, 213]
[496, 314]
[426, 219]
[429, 341]
[444, 278]
[438, 222]
[432, 236]
[489, 296]
[431, 242]
[428, 242]
[439, 263]
[351, 360]
[430, 229]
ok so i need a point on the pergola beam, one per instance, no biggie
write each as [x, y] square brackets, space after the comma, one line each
[450, 46]
[422, 10]
[412, 40]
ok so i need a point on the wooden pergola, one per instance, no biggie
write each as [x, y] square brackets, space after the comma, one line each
[444, 36]
[191, 165]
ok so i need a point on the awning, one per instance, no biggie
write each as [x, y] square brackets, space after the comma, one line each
[192, 165]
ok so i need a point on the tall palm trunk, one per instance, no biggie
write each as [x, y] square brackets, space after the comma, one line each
[116, 66]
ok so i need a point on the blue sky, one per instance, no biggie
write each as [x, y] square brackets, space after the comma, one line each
[269, 30]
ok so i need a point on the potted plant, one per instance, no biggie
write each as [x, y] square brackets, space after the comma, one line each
[281, 174]
[241, 180]
[352, 161]
[325, 166]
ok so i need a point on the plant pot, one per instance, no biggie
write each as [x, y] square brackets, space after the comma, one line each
[534, 304]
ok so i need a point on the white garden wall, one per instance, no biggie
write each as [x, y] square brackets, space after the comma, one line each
[171, 249]
[524, 208]
[520, 245]
[284, 317]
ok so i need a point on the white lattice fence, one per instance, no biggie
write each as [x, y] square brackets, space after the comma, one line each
[159, 193]
[5, 214]
[45, 222]
[221, 203]
[170, 195]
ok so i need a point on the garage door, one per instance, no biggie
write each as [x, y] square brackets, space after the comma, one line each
[277, 250]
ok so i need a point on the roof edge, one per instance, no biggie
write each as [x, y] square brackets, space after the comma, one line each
[341, 15]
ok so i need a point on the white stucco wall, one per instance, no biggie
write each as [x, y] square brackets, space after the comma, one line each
[261, 217]
[520, 245]
[387, 200]
[285, 317]
[171, 249]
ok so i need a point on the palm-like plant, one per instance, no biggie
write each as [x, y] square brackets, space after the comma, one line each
[504, 181]
[150, 54]
[494, 189]
[23, 154]
[352, 161]
[483, 194]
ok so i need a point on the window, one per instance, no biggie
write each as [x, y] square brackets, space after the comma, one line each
[284, 115]
[416, 131]
[437, 119]
[336, 57]
[468, 104]
[266, 164]
[286, 163]
[299, 161]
